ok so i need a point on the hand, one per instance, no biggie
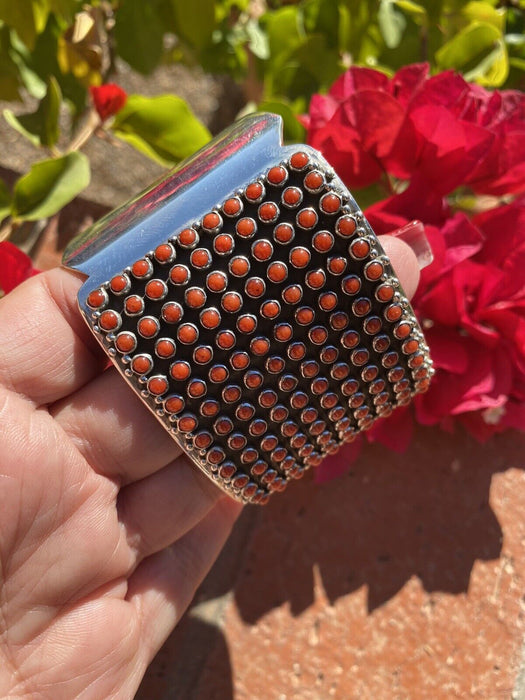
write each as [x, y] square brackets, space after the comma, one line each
[106, 529]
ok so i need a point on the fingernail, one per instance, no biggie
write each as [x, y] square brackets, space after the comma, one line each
[413, 234]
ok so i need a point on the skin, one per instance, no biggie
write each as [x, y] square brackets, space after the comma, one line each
[106, 530]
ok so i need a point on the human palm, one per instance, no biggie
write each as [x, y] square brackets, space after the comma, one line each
[106, 529]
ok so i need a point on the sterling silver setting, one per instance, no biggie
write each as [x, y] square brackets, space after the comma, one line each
[248, 303]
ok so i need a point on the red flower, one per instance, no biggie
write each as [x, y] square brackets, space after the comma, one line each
[108, 100]
[437, 134]
[439, 130]
[356, 125]
[502, 170]
[472, 302]
[482, 291]
[15, 266]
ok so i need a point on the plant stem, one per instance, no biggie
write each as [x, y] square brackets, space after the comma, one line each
[6, 230]
[91, 125]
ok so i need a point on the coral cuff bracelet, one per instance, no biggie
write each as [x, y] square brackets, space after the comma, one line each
[250, 306]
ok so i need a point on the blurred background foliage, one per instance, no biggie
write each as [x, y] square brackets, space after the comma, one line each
[281, 52]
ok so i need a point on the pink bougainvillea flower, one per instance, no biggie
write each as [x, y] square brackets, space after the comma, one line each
[502, 170]
[472, 302]
[468, 378]
[108, 99]
[440, 130]
[429, 141]
[356, 125]
[483, 292]
[15, 266]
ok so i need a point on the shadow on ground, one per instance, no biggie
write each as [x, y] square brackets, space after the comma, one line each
[425, 513]
[185, 666]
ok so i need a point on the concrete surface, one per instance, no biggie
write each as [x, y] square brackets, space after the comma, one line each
[402, 579]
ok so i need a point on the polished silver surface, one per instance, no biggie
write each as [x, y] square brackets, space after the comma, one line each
[195, 186]
[249, 304]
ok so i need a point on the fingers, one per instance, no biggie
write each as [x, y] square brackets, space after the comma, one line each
[121, 438]
[163, 585]
[47, 350]
[99, 647]
[160, 509]
[114, 431]
[60, 535]
[404, 262]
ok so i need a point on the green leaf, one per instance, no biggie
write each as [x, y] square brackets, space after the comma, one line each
[23, 58]
[79, 49]
[49, 186]
[391, 23]
[477, 11]
[322, 17]
[27, 17]
[359, 34]
[224, 8]
[44, 62]
[411, 36]
[493, 69]
[518, 63]
[257, 39]
[65, 9]
[516, 77]
[293, 130]
[194, 21]
[40, 127]
[300, 63]
[515, 42]
[5, 201]
[284, 32]
[226, 54]
[15, 123]
[139, 33]
[515, 21]
[417, 12]
[310, 67]
[9, 73]
[367, 196]
[479, 52]
[162, 127]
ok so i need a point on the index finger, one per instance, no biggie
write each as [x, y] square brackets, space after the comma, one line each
[47, 350]
[128, 442]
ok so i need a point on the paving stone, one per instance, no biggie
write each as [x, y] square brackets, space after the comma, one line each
[402, 579]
